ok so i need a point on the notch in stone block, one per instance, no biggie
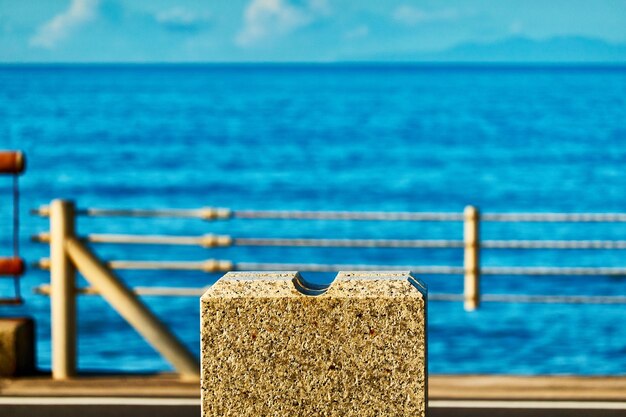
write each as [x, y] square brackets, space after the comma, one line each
[274, 345]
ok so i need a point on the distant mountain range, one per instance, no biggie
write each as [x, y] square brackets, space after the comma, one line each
[565, 49]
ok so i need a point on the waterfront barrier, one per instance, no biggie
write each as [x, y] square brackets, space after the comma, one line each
[69, 250]
[273, 344]
[472, 245]
[68, 254]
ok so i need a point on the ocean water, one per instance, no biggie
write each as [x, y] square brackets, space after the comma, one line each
[389, 138]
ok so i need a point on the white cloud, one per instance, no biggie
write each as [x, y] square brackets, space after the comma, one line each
[516, 28]
[410, 15]
[319, 6]
[62, 25]
[358, 32]
[269, 18]
[182, 19]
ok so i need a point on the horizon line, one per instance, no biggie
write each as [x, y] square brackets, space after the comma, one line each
[326, 63]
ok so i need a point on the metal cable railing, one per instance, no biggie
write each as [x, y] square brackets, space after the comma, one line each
[471, 245]
[207, 213]
[211, 240]
[218, 213]
[555, 217]
[489, 298]
[69, 254]
[216, 265]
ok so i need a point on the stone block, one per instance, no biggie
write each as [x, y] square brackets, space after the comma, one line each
[17, 346]
[274, 345]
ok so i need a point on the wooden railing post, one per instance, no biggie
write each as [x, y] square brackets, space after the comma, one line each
[62, 300]
[471, 259]
[138, 315]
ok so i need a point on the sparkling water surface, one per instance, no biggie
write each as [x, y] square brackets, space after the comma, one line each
[383, 138]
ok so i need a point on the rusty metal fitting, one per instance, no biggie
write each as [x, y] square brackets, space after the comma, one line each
[43, 263]
[42, 211]
[215, 213]
[212, 241]
[214, 265]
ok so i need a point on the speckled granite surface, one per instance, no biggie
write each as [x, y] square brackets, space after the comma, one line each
[356, 349]
[17, 347]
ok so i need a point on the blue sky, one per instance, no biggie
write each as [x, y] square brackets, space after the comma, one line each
[287, 30]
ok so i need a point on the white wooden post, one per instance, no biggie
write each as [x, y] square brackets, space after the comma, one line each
[471, 238]
[62, 300]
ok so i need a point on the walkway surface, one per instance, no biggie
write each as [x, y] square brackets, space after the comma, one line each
[165, 395]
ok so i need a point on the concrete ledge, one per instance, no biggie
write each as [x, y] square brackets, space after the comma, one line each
[440, 387]
[170, 407]
[17, 346]
[273, 344]
[537, 396]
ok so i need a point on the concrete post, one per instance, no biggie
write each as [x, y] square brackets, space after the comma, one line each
[62, 298]
[273, 345]
[471, 258]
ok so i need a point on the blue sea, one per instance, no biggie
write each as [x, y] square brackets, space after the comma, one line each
[332, 137]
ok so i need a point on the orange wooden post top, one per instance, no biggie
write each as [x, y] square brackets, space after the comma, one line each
[11, 266]
[12, 162]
